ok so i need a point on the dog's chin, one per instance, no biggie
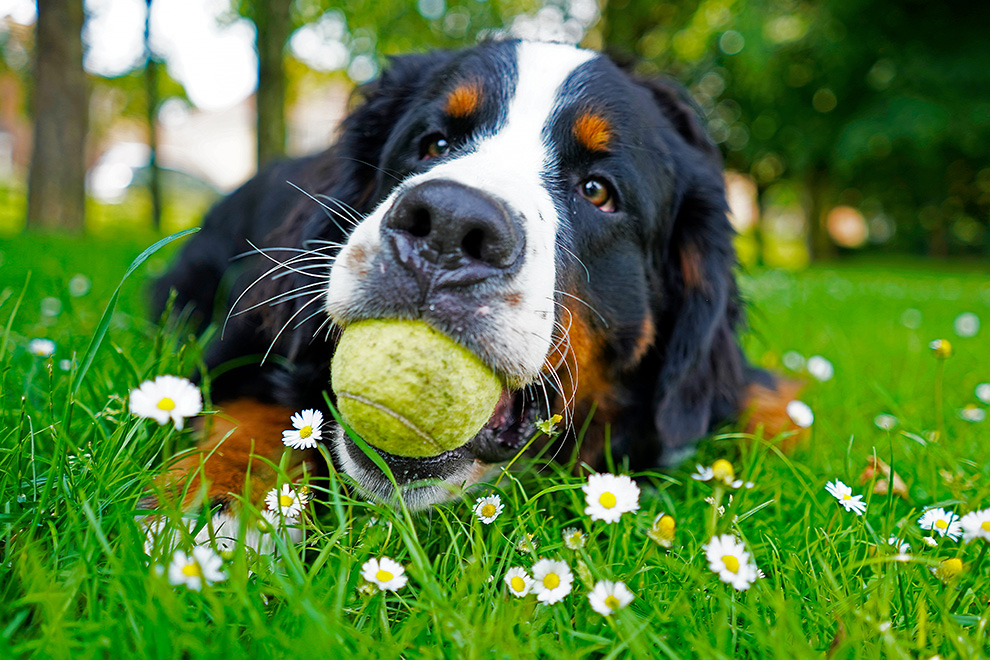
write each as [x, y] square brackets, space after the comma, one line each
[424, 482]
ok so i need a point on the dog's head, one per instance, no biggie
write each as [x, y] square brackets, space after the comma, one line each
[562, 219]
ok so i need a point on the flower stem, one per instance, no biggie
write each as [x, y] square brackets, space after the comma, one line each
[974, 571]
[939, 411]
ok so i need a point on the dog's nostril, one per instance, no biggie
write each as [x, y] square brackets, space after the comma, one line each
[472, 243]
[420, 223]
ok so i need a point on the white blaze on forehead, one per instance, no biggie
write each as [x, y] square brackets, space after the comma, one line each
[508, 163]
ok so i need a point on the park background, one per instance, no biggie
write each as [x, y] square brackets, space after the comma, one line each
[856, 135]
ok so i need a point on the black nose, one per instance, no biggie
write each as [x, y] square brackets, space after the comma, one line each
[459, 229]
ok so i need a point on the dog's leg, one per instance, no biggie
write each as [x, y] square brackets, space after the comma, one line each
[234, 458]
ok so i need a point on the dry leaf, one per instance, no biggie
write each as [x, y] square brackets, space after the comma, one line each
[873, 465]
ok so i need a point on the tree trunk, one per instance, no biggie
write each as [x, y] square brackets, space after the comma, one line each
[820, 244]
[153, 101]
[57, 176]
[274, 24]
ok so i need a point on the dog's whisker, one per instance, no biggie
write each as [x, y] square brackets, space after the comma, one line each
[577, 259]
[286, 325]
[346, 210]
[571, 295]
[282, 297]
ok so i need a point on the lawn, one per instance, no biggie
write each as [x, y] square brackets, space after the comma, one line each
[75, 580]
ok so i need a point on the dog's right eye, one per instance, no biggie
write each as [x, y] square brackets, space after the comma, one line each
[434, 146]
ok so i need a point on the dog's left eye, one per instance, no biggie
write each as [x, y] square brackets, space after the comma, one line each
[598, 193]
[434, 146]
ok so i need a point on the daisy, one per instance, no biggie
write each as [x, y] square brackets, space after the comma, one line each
[728, 558]
[527, 544]
[41, 347]
[843, 494]
[945, 523]
[549, 426]
[662, 531]
[288, 502]
[722, 471]
[305, 431]
[930, 541]
[820, 368]
[976, 525]
[901, 546]
[972, 413]
[609, 496]
[518, 581]
[800, 413]
[487, 509]
[166, 398]
[885, 421]
[966, 324]
[793, 360]
[574, 539]
[551, 580]
[941, 348]
[202, 566]
[983, 392]
[949, 569]
[607, 597]
[384, 573]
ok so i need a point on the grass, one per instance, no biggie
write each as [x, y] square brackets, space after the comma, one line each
[75, 581]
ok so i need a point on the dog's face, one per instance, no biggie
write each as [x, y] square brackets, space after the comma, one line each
[525, 198]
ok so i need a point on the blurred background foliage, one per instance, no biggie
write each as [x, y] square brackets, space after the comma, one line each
[846, 125]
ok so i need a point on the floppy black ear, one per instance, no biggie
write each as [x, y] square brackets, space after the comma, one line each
[701, 373]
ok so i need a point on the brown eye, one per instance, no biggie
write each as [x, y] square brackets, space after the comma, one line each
[434, 146]
[597, 192]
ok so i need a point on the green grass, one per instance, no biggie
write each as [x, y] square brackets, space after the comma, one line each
[75, 582]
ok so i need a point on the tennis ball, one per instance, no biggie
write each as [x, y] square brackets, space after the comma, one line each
[409, 389]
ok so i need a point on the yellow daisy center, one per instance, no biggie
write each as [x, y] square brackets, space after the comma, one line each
[166, 404]
[305, 432]
[611, 602]
[985, 526]
[666, 525]
[285, 500]
[517, 583]
[951, 567]
[846, 496]
[488, 510]
[723, 470]
[941, 524]
[383, 576]
[731, 563]
[192, 570]
[607, 500]
[551, 581]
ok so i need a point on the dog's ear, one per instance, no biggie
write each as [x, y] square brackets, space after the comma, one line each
[697, 309]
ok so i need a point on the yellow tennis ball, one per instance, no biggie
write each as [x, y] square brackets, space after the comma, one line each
[409, 389]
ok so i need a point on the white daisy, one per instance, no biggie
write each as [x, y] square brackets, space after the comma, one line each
[976, 525]
[800, 413]
[41, 347]
[820, 368]
[793, 360]
[722, 471]
[574, 539]
[607, 597]
[203, 566]
[703, 473]
[287, 502]
[942, 348]
[609, 496]
[930, 541]
[885, 421]
[518, 581]
[972, 413]
[902, 547]
[728, 558]
[944, 523]
[983, 392]
[663, 530]
[527, 544]
[966, 324]
[166, 398]
[384, 573]
[552, 580]
[487, 509]
[843, 494]
[306, 430]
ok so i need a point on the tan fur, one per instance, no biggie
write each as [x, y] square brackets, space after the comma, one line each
[765, 410]
[464, 100]
[593, 131]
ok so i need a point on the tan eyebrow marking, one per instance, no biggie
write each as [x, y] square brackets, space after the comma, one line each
[463, 100]
[593, 131]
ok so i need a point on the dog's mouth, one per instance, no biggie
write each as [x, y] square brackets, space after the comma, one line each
[427, 481]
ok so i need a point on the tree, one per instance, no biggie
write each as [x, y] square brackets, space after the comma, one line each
[273, 22]
[57, 176]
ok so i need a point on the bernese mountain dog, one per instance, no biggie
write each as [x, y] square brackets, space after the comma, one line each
[559, 216]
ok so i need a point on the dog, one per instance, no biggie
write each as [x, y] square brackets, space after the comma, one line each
[559, 216]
